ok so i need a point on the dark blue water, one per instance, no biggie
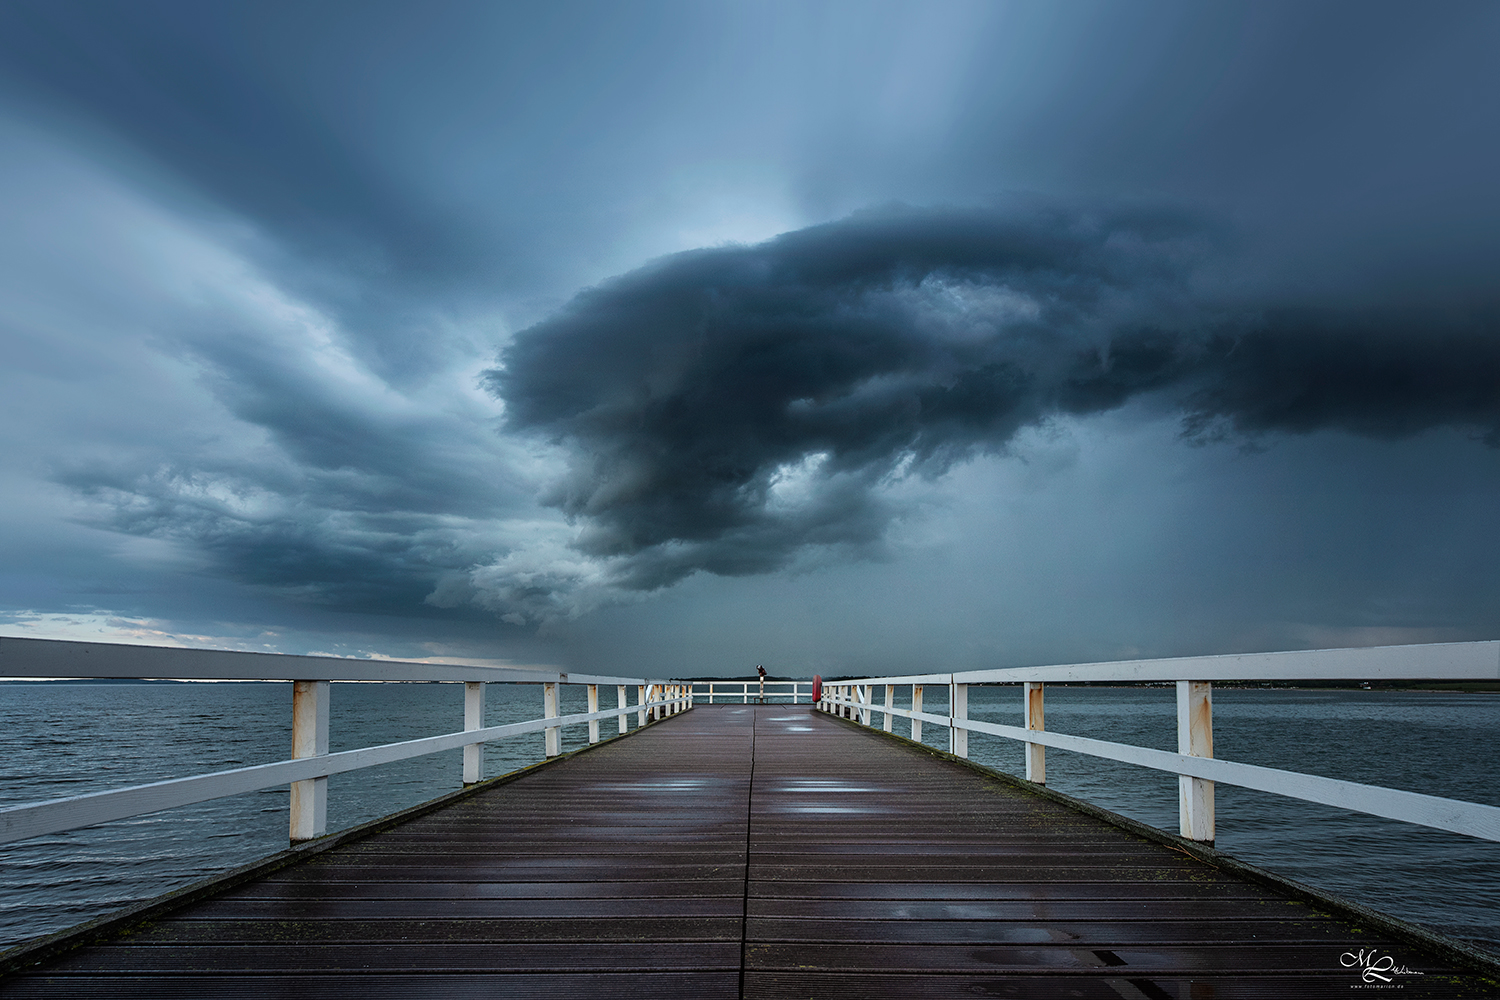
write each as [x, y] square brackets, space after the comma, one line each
[66, 739]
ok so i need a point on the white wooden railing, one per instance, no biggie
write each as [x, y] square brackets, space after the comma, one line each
[311, 763]
[1194, 761]
[757, 691]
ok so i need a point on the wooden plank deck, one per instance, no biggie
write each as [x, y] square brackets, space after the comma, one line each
[756, 852]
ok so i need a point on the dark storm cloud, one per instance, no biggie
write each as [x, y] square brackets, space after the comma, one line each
[727, 407]
[303, 548]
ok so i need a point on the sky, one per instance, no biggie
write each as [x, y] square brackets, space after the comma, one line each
[674, 338]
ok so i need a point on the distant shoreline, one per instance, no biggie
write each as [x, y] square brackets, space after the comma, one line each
[1430, 687]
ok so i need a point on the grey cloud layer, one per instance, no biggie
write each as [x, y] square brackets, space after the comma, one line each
[728, 407]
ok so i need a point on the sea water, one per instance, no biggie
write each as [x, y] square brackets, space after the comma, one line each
[67, 739]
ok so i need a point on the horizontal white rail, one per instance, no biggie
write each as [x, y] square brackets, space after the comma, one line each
[1454, 815]
[1477, 661]
[26, 657]
[743, 692]
[56, 815]
[1194, 762]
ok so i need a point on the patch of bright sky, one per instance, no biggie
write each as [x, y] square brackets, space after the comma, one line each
[101, 626]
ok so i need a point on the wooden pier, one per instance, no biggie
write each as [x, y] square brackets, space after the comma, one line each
[750, 851]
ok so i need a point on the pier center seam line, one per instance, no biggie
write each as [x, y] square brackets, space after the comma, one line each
[749, 819]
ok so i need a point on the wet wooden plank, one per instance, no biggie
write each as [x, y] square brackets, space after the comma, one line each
[801, 984]
[1103, 932]
[1217, 957]
[303, 986]
[519, 871]
[337, 909]
[1065, 890]
[387, 890]
[447, 958]
[639, 926]
[999, 911]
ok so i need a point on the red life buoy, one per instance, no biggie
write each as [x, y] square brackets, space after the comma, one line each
[817, 688]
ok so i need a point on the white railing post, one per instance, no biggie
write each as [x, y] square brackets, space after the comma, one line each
[916, 706]
[473, 719]
[890, 702]
[958, 709]
[552, 734]
[640, 706]
[746, 687]
[710, 692]
[1036, 754]
[623, 703]
[309, 811]
[868, 703]
[593, 707]
[1195, 736]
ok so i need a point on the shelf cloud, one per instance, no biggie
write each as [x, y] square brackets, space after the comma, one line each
[725, 409]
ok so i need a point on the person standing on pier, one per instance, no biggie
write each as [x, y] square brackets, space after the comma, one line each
[762, 671]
